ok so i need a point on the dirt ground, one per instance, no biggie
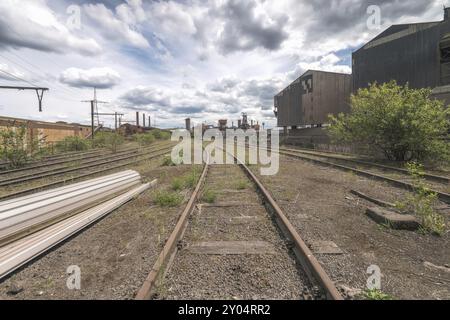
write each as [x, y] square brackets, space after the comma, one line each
[115, 255]
[318, 202]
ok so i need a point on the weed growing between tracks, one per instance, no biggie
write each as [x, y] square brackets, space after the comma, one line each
[422, 202]
[376, 294]
[167, 162]
[167, 199]
[209, 196]
[242, 185]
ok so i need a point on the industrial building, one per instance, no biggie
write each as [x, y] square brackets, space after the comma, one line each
[416, 53]
[311, 98]
[46, 132]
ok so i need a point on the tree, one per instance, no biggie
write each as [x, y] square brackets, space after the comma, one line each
[14, 148]
[405, 124]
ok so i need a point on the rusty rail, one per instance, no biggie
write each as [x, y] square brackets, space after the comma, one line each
[170, 249]
[304, 255]
[445, 197]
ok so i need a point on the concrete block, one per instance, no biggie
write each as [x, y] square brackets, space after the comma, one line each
[395, 220]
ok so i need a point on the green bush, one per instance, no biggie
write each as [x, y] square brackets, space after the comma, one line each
[375, 294]
[188, 181]
[160, 135]
[405, 124]
[191, 179]
[73, 143]
[177, 184]
[168, 199]
[209, 196]
[242, 185]
[167, 162]
[108, 140]
[422, 202]
[13, 146]
[144, 139]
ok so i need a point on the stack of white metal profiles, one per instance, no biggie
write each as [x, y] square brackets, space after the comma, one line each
[33, 224]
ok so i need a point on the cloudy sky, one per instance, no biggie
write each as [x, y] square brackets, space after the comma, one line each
[207, 60]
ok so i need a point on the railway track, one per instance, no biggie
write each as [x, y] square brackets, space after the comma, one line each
[241, 246]
[53, 184]
[365, 163]
[400, 180]
[67, 160]
[4, 164]
[89, 164]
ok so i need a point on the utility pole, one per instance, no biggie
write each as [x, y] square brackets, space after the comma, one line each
[115, 114]
[92, 120]
[93, 113]
[39, 92]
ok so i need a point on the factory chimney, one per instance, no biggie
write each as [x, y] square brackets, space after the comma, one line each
[446, 13]
[188, 124]
[137, 119]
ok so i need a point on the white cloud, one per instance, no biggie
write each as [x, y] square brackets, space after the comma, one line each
[115, 29]
[101, 78]
[9, 73]
[31, 24]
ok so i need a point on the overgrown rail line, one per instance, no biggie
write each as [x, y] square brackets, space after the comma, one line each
[70, 159]
[370, 164]
[405, 184]
[227, 239]
[443, 196]
[90, 164]
[144, 157]
[66, 155]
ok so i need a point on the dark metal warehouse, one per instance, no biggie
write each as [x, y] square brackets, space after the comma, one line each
[417, 53]
[312, 97]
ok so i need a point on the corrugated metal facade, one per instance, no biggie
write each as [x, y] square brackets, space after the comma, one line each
[312, 97]
[418, 54]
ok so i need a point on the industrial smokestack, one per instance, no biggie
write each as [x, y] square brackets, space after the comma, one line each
[137, 119]
[446, 13]
[188, 124]
[149, 121]
[143, 120]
